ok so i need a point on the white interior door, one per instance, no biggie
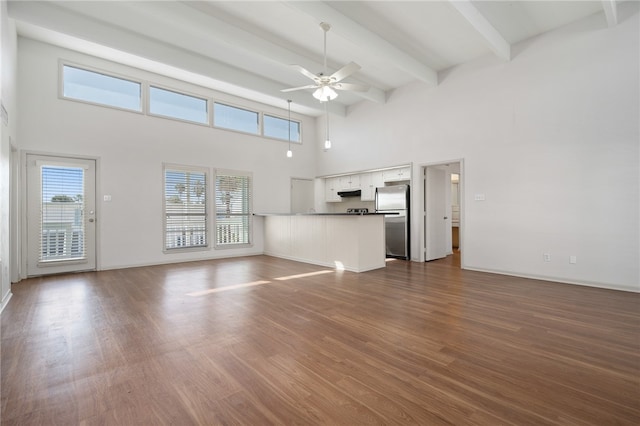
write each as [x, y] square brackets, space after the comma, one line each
[61, 215]
[435, 213]
[302, 196]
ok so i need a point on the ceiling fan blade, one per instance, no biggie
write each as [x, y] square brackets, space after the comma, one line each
[309, 86]
[352, 87]
[305, 72]
[345, 71]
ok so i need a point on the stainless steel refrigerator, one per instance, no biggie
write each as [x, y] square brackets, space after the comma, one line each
[394, 200]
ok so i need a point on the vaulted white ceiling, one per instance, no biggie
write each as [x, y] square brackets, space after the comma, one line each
[247, 48]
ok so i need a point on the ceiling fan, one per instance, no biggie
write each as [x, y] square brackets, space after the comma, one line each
[326, 85]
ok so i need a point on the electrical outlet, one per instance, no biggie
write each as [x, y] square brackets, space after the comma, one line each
[546, 257]
[573, 259]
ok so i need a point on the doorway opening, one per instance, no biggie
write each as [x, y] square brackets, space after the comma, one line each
[442, 211]
[302, 195]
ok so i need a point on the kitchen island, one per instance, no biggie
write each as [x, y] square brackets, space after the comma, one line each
[353, 242]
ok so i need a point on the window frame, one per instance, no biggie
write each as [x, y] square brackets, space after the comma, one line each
[207, 203]
[209, 104]
[61, 81]
[145, 102]
[263, 121]
[249, 214]
[231, 105]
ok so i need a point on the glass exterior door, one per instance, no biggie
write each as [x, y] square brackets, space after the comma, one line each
[61, 215]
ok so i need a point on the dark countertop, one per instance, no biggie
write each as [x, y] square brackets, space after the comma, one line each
[323, 214]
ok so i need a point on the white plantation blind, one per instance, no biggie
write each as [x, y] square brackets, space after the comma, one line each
[62, 214]
[185, 206]
[233, 208]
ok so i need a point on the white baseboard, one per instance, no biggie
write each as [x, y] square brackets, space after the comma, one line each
[5, 300]
[172, 261]
[595, 284]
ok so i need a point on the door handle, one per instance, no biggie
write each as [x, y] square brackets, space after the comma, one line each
[444, 218]
[91, 219]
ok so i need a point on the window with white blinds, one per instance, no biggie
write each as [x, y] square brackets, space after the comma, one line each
[62, 214]
[233, 208]
[185, 208]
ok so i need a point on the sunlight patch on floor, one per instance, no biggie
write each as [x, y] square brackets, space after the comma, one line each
[308, 274]
[256, 283]
[230, 287]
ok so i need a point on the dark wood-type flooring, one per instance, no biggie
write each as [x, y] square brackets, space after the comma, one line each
[259, 341]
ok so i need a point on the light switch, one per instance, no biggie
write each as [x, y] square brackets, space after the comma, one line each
[107, 198]
[479, 197]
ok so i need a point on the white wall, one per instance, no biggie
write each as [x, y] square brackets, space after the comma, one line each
[131, 149]
[8, 134]
[551, 138]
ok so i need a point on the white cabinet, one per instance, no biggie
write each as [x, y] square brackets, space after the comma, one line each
[340, 183]
[349, 182]
[368, 183]
[395, 175]
[331, 188]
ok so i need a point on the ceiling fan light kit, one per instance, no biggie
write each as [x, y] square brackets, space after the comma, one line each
[326, 85]
[324, 94]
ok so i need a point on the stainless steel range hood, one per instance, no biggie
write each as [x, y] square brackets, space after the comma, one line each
[351, 193]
